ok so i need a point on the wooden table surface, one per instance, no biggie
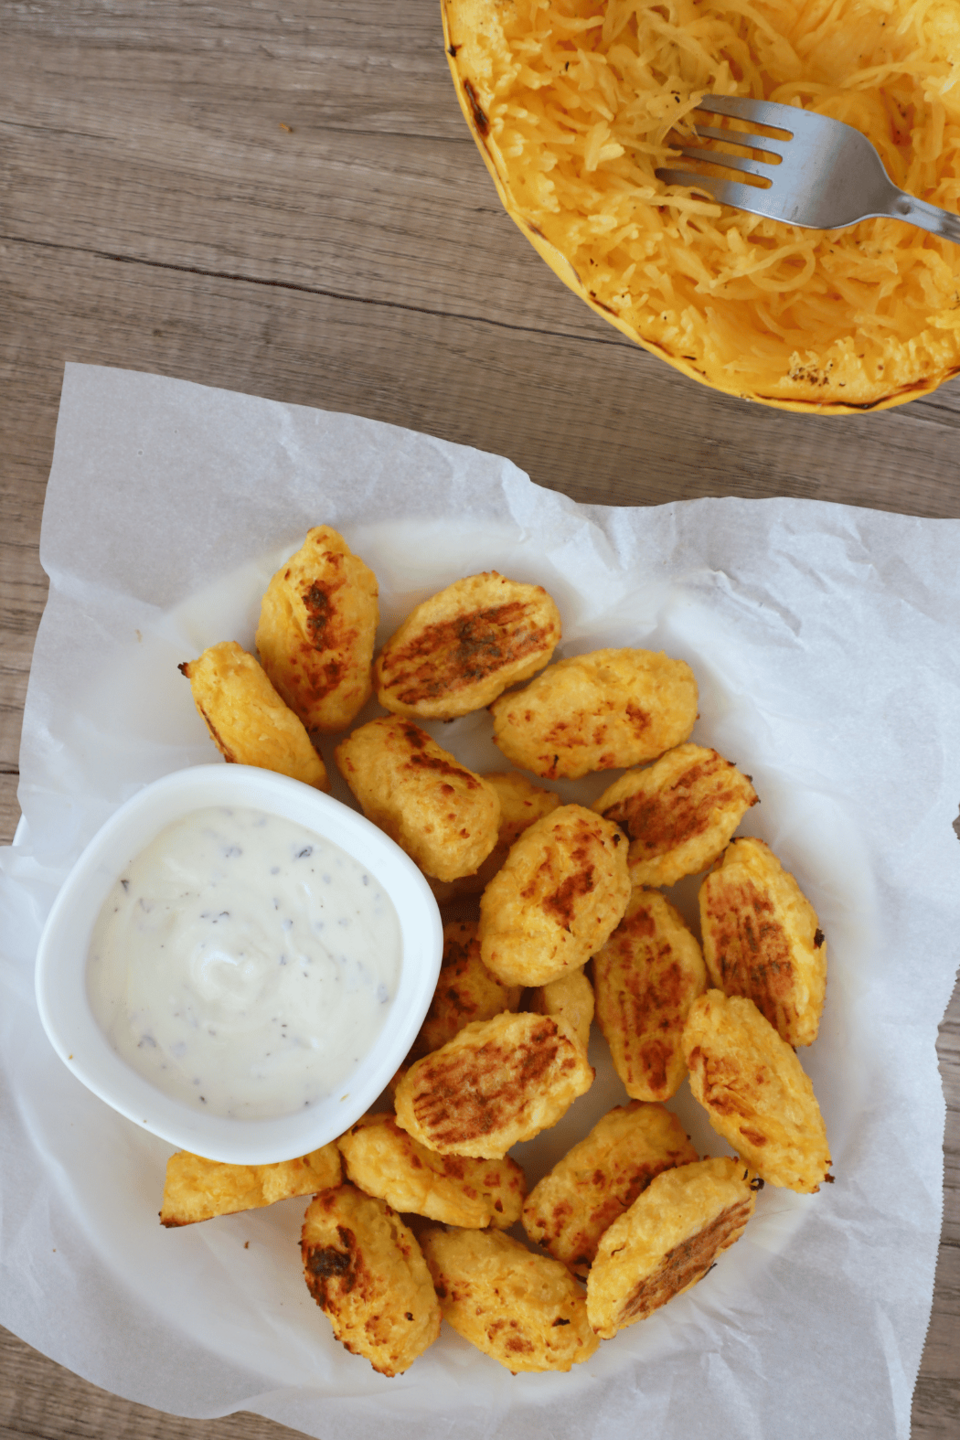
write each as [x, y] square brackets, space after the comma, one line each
[283, 199]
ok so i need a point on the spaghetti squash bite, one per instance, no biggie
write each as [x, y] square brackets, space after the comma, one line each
[443, 815]
[560, 894]
[523, 1310]
[498, 1082]
[247, 720]
[318, 623]
[384, 1161]
[198, 1189]
[459, 650]
[755, 1092]
[569, 1210]
[762, 939]
[646, 979]
[668, 1240]
[678, 813]
[366, 1271]
[599, 711]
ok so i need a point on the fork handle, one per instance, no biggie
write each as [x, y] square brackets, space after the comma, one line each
[929, 217]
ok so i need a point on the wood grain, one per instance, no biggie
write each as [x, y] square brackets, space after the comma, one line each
[282, 199]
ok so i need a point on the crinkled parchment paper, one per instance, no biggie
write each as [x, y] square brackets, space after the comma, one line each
[825, 640]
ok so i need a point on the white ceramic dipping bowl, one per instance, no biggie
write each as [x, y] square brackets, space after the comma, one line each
[62, 963]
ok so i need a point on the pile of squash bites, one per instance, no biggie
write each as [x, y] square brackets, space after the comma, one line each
[572, 927]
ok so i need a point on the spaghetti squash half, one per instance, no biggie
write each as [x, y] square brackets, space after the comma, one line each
[574, 103]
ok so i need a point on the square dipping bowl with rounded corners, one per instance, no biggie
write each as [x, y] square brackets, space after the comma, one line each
[62, 959]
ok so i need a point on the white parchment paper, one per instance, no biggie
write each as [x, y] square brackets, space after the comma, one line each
[827, 647]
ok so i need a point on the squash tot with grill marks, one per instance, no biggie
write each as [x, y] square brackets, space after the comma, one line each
[762, 939]
[678, 813]
[318, 624]
[755, 1092]
[667, 1240]
[560, 893]
[578, 1200]
[601, 711]
[646, 978]
[383, 1160]
[459, 650]
[497, 1083]
[443, 815]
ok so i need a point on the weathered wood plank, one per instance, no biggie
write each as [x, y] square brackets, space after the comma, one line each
[348, 201]
[599, 418]
[46, 1402]
[936, 1401]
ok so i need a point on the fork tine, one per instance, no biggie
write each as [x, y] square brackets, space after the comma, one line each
[830, 175]
[760, 112]
[693, 178]
[744, 138]
[743, 163]
[727, 192]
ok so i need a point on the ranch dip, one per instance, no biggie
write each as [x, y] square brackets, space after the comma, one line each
[244, 964]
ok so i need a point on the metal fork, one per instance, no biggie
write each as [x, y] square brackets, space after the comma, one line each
[824, 175]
